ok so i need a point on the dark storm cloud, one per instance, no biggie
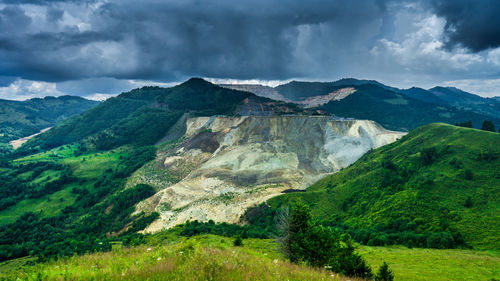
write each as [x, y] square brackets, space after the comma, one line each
[169, 40]
[474, 24]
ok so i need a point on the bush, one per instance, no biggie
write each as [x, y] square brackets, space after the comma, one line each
[238, 241]
[468, 175]
[428, 155]
[468, 202]
[467, 124]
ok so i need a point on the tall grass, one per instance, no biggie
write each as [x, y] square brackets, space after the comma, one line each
[187, 260]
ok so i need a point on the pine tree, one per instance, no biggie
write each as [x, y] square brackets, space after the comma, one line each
[305, 240]
[384, 273]
[488, 126]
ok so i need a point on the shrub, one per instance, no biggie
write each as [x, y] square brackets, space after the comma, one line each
[238, 241]
[468, 202]
[468, 175]
[428, 155]
[467, 124]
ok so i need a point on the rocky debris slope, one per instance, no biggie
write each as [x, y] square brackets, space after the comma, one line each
[224, 165]
[322, 100]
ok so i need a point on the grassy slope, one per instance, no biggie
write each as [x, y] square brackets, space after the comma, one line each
[23, 118]
[431, 196]
[431, 264]
[209, 257]
[90, 167]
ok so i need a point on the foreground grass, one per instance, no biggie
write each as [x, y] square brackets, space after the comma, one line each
[201, 258]
[210, 257]
[431, 264]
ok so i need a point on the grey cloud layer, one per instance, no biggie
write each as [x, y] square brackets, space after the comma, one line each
[474, 24]
[172, 40]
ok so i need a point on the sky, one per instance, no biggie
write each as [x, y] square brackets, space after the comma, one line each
[97, 49]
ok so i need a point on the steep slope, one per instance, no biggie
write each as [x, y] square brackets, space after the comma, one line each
[143, 115]
[259, 90]
[464, 100]
[398, 112]
[301, 90]
[297, 90]
[422, 95]
[456, 96]
[226, 164]
[19, 119]
[428, 189]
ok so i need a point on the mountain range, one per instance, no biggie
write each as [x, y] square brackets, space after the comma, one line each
[397, 109]
[200, 158]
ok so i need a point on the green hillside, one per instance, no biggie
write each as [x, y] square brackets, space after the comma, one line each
[435, 187]
[23, 118]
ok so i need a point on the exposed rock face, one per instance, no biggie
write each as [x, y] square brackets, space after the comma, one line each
[233, 163]
[322, 100]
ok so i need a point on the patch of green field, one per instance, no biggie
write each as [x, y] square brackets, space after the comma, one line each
[25, 175]
[88, 168]
[48, 205]
[400, 100]
[431, 264]
[46, 176]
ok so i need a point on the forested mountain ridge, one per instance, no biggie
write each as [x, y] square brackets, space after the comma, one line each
[142, 116]
[397, 109]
